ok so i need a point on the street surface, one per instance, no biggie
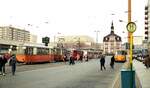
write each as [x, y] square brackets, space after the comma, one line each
[23, 67]
[80, 75]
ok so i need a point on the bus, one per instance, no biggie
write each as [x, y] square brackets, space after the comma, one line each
[120, 56]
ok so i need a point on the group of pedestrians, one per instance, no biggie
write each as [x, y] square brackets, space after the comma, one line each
[102, 62]
[12, 62]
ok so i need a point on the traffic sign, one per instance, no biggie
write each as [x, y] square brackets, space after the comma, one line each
[131, 27]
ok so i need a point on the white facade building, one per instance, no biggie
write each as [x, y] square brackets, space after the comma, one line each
[15, 34]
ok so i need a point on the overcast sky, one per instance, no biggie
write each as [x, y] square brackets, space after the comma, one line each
[71, 17]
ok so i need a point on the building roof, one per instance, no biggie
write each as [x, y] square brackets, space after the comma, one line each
[107, 37]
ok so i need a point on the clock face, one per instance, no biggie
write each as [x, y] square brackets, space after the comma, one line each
[131, 27]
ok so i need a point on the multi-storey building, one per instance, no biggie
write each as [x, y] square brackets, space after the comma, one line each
[112, 42]
[146, 24]
[14, 34]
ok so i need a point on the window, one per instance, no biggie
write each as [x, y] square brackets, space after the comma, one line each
[29, 51]
[42, 51]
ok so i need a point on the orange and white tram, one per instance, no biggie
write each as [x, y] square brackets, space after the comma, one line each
[33, 54]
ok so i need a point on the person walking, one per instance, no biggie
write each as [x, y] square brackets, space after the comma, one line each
[147, 61]
[13, 63]
[3, 61]
[112, 62]
[102, 62]
[71, 60]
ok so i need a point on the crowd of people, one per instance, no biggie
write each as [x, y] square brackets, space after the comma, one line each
[11, 59]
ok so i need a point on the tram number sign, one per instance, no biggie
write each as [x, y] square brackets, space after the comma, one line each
[131, 27]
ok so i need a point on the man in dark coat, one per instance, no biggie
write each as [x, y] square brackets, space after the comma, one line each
[3, 61]
[102, 62]
[112, 62]
[71, 60]
[147, 62]
[13, 64]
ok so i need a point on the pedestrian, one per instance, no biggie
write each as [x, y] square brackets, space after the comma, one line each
[3, 61]
[112, 62]
[87, 58]
[78, 57]
[102, 62]
[71, 60]
[12, 63]
[147, 62]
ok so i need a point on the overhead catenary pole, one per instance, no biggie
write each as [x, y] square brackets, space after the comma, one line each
[130, 40]
[130, 35]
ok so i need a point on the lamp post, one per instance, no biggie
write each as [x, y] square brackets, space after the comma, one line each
[96, 31]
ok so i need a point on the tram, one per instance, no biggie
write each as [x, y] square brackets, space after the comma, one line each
[77, 54]
[33, 54]
[120, 56]
[37, 54]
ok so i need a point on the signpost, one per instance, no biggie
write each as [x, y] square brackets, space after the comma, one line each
[131, 28]
[128, 73]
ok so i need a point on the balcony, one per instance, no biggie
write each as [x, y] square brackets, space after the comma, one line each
[146, 32]
[146, 37]
[146, 23]
[146, 12]
[146, 7]
[146, 28]
[146, 18]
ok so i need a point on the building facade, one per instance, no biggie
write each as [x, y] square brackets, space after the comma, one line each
[14, 34]
[146, 24]
[112, 42]
[33, 38]
[146, 42]
[75, 42]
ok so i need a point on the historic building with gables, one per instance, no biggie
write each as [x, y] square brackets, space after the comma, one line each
[112, 42]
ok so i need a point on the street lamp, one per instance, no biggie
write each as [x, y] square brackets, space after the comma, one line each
[96, 31]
